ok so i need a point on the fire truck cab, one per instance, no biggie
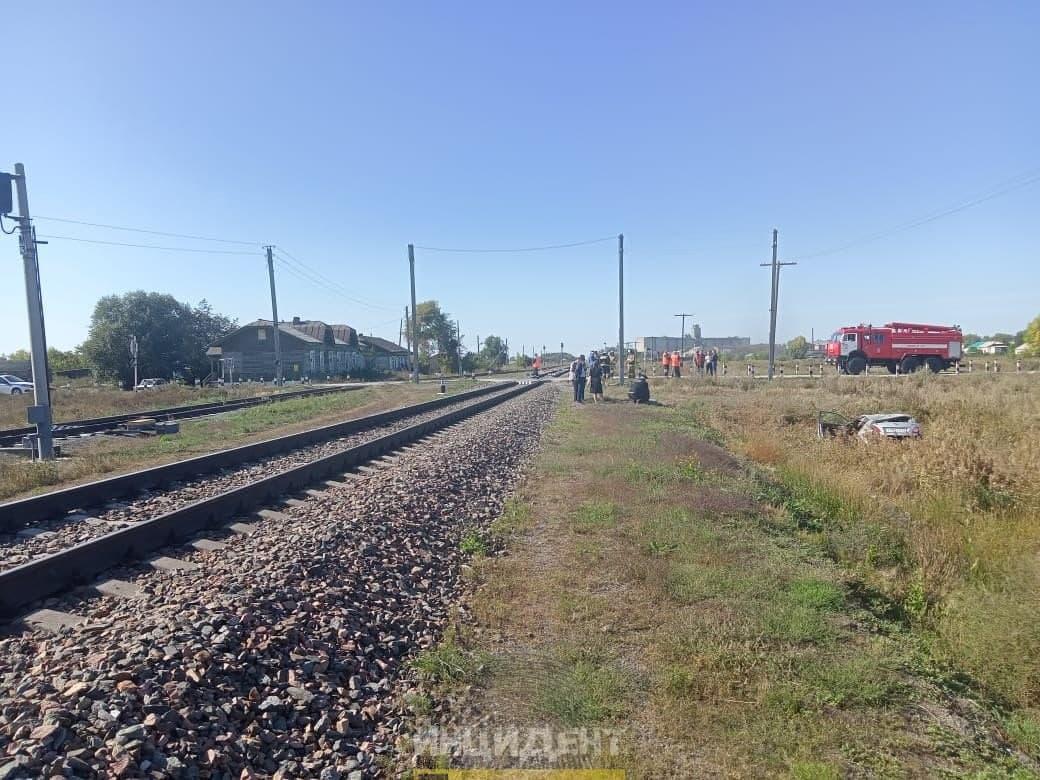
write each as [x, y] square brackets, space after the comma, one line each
[901, 347]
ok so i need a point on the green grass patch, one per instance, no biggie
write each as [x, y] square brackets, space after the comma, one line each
[783, 621]
[515, 517]
[585, 689]
[448, 663]
[594, 514]
[473, 544]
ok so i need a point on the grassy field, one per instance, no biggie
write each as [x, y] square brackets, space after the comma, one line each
[100, 456]
[739, 598]
[84, 401]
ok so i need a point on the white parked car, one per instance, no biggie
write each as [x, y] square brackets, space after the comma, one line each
[145, 384]
[12, 385]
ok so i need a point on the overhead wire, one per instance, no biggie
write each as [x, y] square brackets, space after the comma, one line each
[304, 275]
[319, 279]
[150, 232]
[516, 249]
[151, 246]
[1023, 179]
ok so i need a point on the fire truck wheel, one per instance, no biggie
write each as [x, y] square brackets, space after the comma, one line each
[935, 365]
[891, 366]
[856, 365]
[909, 365]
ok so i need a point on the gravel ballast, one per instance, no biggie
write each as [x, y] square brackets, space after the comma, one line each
[280, 657]
[50, 536]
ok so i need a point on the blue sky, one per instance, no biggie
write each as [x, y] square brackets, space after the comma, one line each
[343, 131]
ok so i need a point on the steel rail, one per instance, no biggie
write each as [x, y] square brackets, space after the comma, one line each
[20, 513]
[13, 436]
[77, 565]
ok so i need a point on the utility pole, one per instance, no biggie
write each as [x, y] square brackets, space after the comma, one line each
[415, 330]
[133, 358]
[773, 298]
[274, 317]
[621, 308]
[40, 413]
[561, 353]
[682, 333]
[458, 332]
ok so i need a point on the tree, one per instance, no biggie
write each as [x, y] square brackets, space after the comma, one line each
[58, 360]
[17, 355]
[206, 327]
[170, 335]
[1033, 335]
[493, 352]
[798, 348]
[436, 336]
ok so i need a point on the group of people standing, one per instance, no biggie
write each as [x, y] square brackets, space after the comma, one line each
[592, 372]
[706, 363]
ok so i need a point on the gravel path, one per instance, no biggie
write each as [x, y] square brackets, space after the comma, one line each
[282, 660]
[50, 536]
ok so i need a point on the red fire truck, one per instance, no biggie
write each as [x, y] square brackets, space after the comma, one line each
[902, 347]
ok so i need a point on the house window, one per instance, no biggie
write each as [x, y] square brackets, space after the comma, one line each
[261, 334]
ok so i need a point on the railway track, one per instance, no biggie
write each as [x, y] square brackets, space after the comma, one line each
[13, 436]
[279, 650]
[101, 524]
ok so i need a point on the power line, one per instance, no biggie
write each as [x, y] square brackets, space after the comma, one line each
[150, 232]
[1009, 185]
[519, 249]
[152, 246]
[324, 280]
[304, 275]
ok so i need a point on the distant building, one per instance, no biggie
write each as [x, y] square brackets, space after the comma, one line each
[310, 348]
[658, 344]
[725, 342]
[383, 355]
[988, 347]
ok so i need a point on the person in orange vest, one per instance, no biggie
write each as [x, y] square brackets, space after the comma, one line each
[666, 362]
[677, 365]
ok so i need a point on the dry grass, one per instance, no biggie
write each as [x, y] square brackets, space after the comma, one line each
[85, 401]
[949, 526]
[647, 589]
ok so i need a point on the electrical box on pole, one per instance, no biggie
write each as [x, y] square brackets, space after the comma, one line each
[6, 198]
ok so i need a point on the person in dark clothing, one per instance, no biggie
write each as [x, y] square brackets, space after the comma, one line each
[578, 369]
[596, 381]
[640, 392]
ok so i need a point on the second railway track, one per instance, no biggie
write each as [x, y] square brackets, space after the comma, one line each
[136, 513]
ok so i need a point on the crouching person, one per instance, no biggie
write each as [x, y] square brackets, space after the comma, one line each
[640, 390]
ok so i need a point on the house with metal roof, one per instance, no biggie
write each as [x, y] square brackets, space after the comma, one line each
[383, 356]
[310, 348]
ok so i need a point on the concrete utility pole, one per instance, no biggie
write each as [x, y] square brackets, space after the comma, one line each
[458, 332]
[773, 298]
[274, 316]
[133, 358]
[40, 413]
[682, 333]
[621, 309]
[415, 329]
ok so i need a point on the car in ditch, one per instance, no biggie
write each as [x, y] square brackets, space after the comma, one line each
[867, 427]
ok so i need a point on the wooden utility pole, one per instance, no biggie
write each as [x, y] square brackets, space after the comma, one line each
[682, 334]
[415, 330]
[773, 299]
[274, 317]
